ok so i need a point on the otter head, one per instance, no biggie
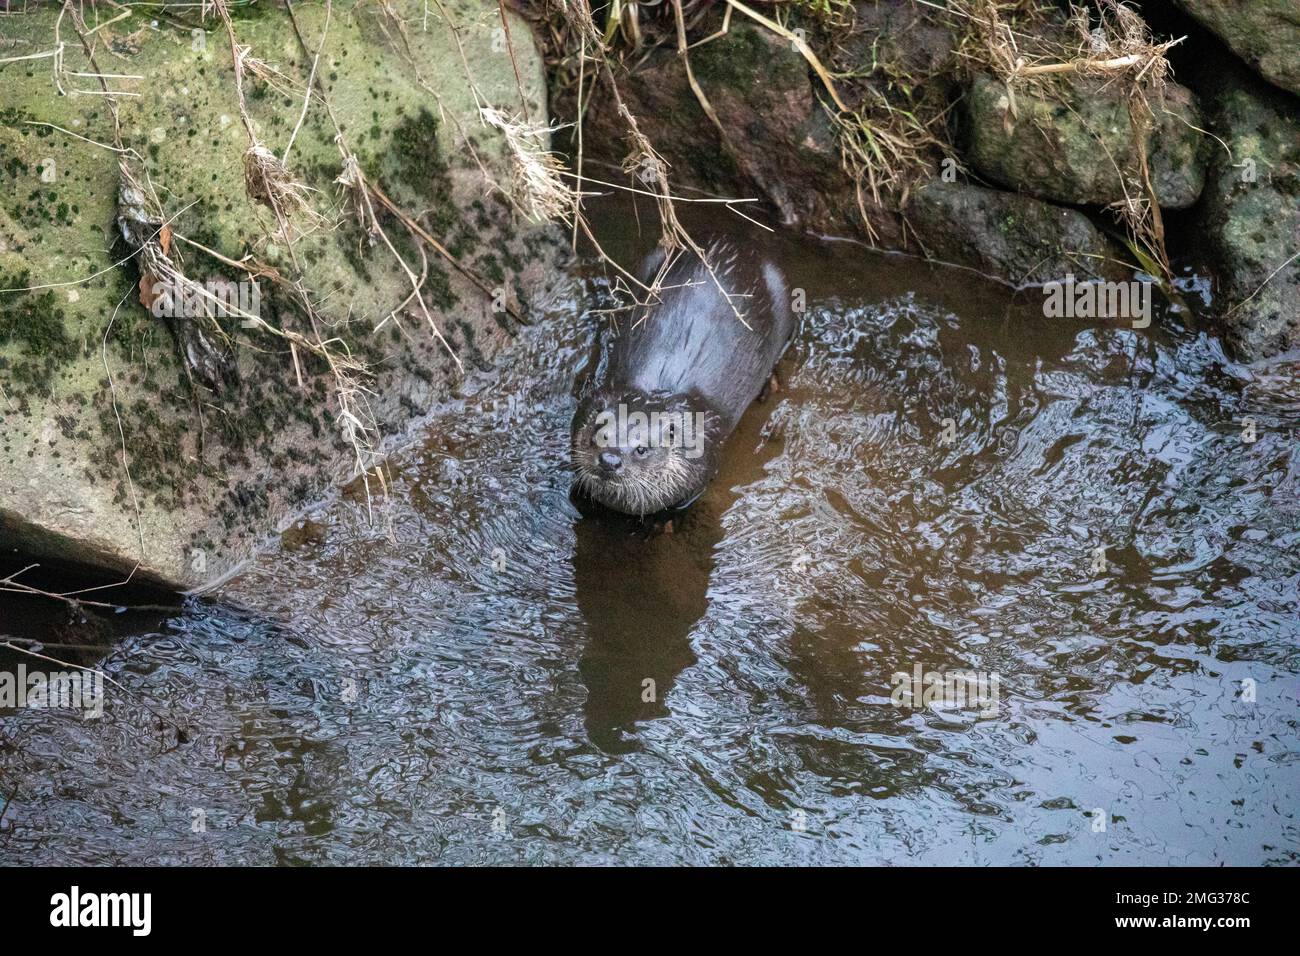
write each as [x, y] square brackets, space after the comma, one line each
[639, 453]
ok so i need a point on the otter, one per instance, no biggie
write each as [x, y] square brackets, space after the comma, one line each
[650, 423]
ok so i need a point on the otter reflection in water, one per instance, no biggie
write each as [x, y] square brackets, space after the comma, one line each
[640, 593]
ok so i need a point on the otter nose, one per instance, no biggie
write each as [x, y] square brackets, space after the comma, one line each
[611, 461]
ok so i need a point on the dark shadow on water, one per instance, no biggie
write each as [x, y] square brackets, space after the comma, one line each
[73, 613]
[640, 590]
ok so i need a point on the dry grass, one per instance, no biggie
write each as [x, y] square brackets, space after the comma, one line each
[582, 51]
[884, 150]
[1023, 45]
[887, 140]
[537, 188]
[269, 182]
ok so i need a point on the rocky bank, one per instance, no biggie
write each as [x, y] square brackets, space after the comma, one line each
[1013, 173]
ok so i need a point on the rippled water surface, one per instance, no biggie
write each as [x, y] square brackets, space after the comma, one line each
[467, 679]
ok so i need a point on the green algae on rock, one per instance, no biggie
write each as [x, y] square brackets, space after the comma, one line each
[109, 453]
[1249, 222]
[1078, 147]
[1009, 236]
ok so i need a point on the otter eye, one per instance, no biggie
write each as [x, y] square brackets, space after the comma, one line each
[642, 451]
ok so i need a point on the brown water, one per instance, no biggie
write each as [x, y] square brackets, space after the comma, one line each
[463, 680]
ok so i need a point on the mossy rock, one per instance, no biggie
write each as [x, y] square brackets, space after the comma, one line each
[1072, 141]
[87, 373]
[778, 146]
[1264, 33]
[1009, 237]
[1249, 222]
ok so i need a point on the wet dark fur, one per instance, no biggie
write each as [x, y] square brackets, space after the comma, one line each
[689, 353]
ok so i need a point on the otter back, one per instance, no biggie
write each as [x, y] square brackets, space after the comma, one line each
[691, 342]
